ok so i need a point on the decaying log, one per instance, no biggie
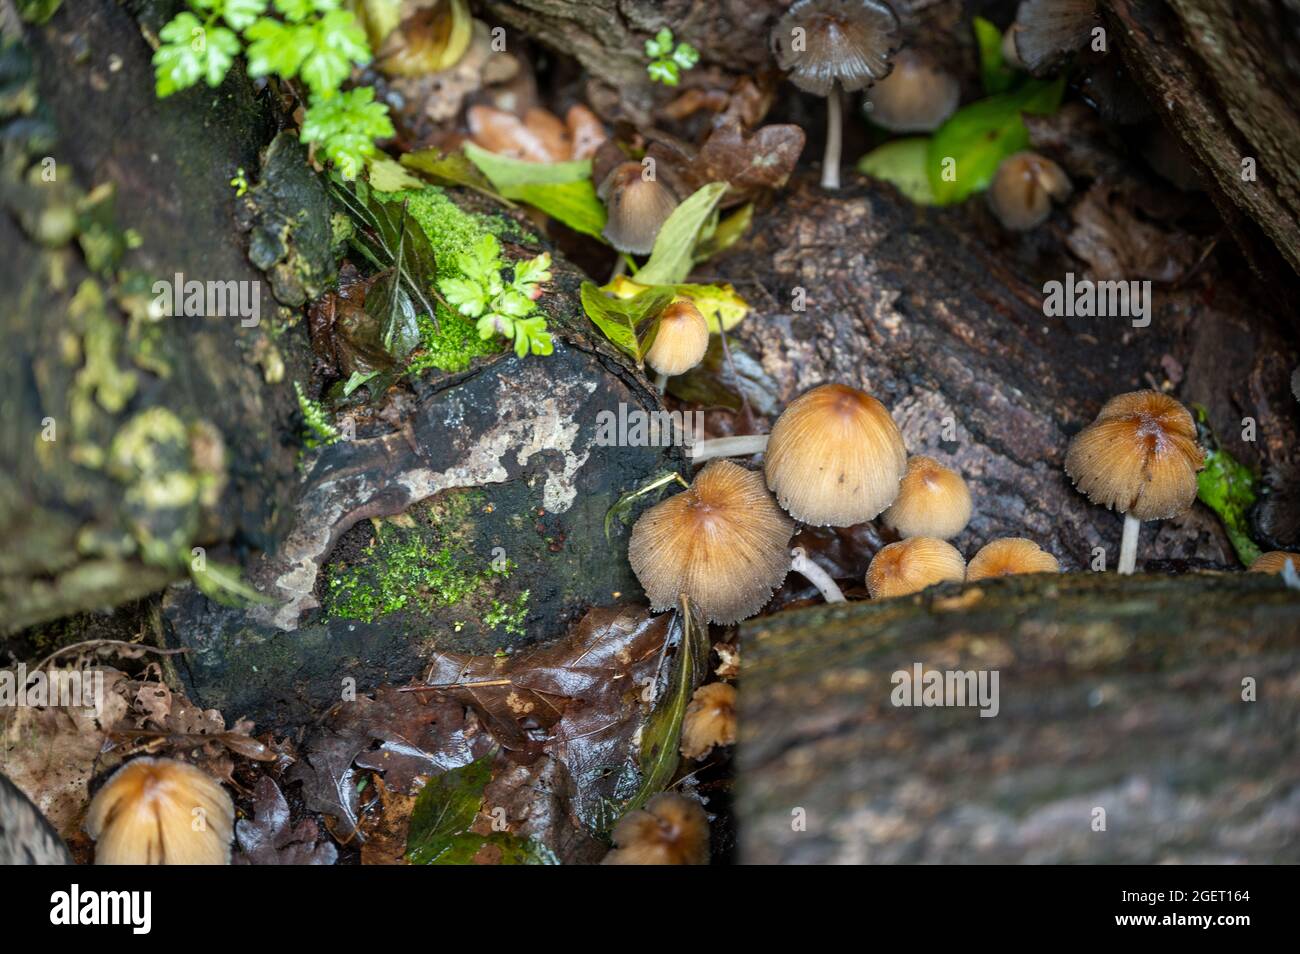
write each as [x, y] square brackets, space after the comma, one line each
[927, 310]
[1162, 707]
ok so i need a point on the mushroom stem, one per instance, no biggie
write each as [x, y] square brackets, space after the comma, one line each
[1128, 547]
[802, 564]
[620, 267]
[739, 446]
[661, 382]
[834, 122]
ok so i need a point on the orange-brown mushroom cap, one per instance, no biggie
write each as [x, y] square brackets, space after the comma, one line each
[835, 457]
[1275, 562]
[909, 566]
[932, 501]
[638, 205]
[820, 42]
[681, 340]
[1023, 189]
[723, 542]
[1008, 556]
[1139, 456]
[671, 830]
[161, 812]
[916, 96]
[710, 720]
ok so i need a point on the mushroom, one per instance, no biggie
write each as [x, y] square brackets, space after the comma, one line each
[803, 564]
[909, 566]
[161, 812]
[916, 96]
[638, 205]
[1139, 457]
[722, 542]
[671, 830]
[932, 501]
[1047, 31]
[1023, 188]
[1008, 556]
[710, 720]
[826, 44]
[1275, 561]
[680, 341]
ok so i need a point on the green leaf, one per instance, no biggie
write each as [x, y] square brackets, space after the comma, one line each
[356, 379]
[482, 261]
[686, 56]
[191, 52]
[451, 169]
[296, 10]
[619, 319]
[995, 74]
[621, 511]
[661, 737]
[222, 584]
[445, 810]
[388, 175]
[729, 231]
[345, 126]
[1227, 487]
[532, 272]
[277, 48]
[664, 71]
[573, 203]
[465, 295]
[504, 172]
[979, 136]
[390, 305]
[241, 13]
[339, 43]
[902, 163]
[671, 258]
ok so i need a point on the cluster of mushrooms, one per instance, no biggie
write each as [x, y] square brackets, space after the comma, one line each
[836, 458]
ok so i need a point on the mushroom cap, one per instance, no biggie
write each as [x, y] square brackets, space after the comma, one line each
[932, 501]
[1008, 556]
[710, 720]
[1275, 562]
[723, 542]
[681, 340]
[146, 812]
[835, 457]
[1047, 31]
[916, 97]
[671, 830]
[1023, 188]
[909, 566]
[1139, 456]
[637, 207]
[845, 40]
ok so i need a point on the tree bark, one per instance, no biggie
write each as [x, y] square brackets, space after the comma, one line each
[1163, 708]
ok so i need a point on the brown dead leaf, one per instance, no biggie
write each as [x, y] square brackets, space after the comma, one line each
[1119, 246]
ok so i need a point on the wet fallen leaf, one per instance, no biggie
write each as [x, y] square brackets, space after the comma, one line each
[271, 838]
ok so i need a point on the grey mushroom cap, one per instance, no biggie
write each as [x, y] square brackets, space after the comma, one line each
[822, 42]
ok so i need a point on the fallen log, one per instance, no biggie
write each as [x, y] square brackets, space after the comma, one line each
[1134, 720]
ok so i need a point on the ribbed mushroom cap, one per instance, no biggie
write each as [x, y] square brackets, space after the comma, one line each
[916, 97]
[671, 830]
[1023, 188]
[835, 457]
[845, 40]
[1275, 562]
[147, 813]
[932, 501]
[710, 720]
[1008, 556]
[1046, 31]
[637, 207]
[681, 340]
[723, 542]
[1139, 456]
[909, 566]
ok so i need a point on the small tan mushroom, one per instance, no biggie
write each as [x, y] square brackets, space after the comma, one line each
[1009, 556]
[638, 205]
[671, 830]
[710, 720]
[909, 566]
[681, 340]
[1024, 188]
[723, 543]
[161, 812]
[917, 96]
[932, 501]
[835, 457]
[1275, 561]
[1140, 457]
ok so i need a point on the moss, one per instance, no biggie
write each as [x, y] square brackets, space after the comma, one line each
[509, 616]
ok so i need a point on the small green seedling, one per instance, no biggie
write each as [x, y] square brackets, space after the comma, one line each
[667, 61]
[501, 308]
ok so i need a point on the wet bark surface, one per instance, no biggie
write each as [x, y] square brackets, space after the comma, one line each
[1128, 696]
